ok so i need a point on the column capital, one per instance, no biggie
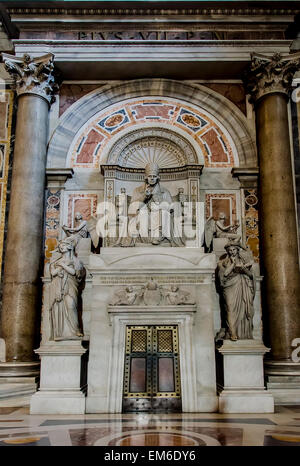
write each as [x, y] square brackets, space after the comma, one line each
[33, 75]
[267, 75]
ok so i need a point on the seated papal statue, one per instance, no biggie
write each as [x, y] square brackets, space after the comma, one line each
[152, 214]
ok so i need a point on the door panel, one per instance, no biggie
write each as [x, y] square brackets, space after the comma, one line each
[151, 375]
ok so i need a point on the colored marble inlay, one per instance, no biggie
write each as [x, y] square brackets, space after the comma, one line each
[217, 203]
[18, 428]
[191, 120]
[114, 121]
[52, 219]
[214, 145]
[251, 221]
[217, 150]
[89, 146]
[86, 204]
[148, 110]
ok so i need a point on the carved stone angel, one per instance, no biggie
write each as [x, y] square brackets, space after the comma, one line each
[218, 229]
[175, 296]
[82, 229]
[126, 297]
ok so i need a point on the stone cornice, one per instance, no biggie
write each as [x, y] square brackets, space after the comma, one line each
[267, 75]
[33, 75]
[156, 11]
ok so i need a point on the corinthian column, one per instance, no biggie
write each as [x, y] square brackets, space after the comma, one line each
[268, 81]
[35, 87]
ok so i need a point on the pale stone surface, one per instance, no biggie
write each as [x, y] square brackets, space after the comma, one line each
[60, 386]
[57, 402]
[234, 401]
[167, 266]
[243, 390]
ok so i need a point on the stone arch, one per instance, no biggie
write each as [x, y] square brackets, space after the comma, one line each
[220, 108]
[175, 149]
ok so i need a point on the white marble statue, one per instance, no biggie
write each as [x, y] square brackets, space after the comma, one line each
[82, 229]
[67, 273]
[236, 280]
[218, 229]
[126, 297]
[151, 213]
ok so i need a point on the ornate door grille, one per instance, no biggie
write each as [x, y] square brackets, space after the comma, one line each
[152, 373]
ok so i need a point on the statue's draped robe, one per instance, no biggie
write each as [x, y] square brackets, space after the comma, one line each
[162, 218]
[238, 291]
[63, 300]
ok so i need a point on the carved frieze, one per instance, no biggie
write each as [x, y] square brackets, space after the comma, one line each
[151, 294]
[33, 75]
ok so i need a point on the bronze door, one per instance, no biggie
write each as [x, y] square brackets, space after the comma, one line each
[152, 373]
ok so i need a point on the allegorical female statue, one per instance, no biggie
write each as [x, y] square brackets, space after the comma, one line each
[67, 273]
[237, 286]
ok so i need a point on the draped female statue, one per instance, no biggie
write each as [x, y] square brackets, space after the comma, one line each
[237, 284]
[66, 272]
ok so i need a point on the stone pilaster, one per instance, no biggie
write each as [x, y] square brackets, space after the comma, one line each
[35, 87]
[268, 81]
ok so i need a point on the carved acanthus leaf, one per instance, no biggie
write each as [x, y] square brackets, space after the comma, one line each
[33, 75]
[267, 75]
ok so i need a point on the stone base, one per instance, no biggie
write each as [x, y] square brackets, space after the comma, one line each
[19, 369]
[285, 389]
[60, 386]
[206, 404]
[246, 401]
[243, 387]
[57, 402]
[98, 404]
[283, 381]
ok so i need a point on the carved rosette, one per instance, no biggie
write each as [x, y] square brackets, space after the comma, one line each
[33, 75]
[267, 75]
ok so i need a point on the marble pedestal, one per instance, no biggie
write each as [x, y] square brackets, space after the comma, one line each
[60, 386]
[243, 390]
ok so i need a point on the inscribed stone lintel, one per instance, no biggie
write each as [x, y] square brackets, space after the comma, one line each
[161, 279]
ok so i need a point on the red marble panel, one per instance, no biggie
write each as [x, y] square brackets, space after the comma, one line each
[86, 204]
[89, 146]
[153, 110]
[221, 205]
[217, 150]
[233, 92]
[70, 93]
[216, 203]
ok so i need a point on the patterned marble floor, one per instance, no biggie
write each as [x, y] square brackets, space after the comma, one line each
[282, 428]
